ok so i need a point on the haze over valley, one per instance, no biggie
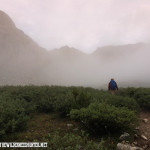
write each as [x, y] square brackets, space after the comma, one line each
[24, 62]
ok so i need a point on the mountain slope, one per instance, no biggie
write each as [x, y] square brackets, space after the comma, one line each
[20, 56]
[127, 63]
[118, 51]
[23, 61]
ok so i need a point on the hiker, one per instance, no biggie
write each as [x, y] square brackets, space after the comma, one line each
[112, 86]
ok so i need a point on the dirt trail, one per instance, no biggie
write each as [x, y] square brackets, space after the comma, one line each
[144, 129]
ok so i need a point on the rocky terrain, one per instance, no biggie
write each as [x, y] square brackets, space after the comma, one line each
[142, 137]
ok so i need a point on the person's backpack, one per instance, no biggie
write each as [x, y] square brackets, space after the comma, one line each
[113, 85]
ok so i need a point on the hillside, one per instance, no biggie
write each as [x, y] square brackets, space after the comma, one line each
[23, 61]
[129, 63]
[20, 56]
[118, 51]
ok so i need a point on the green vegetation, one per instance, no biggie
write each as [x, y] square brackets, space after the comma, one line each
[13, 116]
[141, 95]
[73, 142]
[96, 111]
[103, 118]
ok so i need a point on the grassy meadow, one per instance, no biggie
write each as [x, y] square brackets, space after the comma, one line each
[69, 118]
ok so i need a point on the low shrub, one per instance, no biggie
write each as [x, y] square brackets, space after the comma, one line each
[127, 92]
[75, 99]
[73, 142]
[45, 104]
[63, 104]
[141, 95]
[81, 98]
[104, 118]
[120, 101]
[13, 115]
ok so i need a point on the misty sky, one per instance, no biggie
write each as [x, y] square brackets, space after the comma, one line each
[83, 24]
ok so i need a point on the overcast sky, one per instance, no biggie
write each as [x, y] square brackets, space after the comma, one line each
[83, 24]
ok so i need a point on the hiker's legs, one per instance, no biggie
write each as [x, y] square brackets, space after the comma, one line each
[112, 92]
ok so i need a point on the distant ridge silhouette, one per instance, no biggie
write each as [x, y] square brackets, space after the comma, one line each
[23, 62]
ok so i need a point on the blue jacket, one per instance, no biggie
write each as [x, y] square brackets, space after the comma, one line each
[112, 85]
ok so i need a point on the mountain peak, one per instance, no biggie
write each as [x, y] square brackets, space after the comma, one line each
[6, 21]
[65, 47]
[66, 50]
